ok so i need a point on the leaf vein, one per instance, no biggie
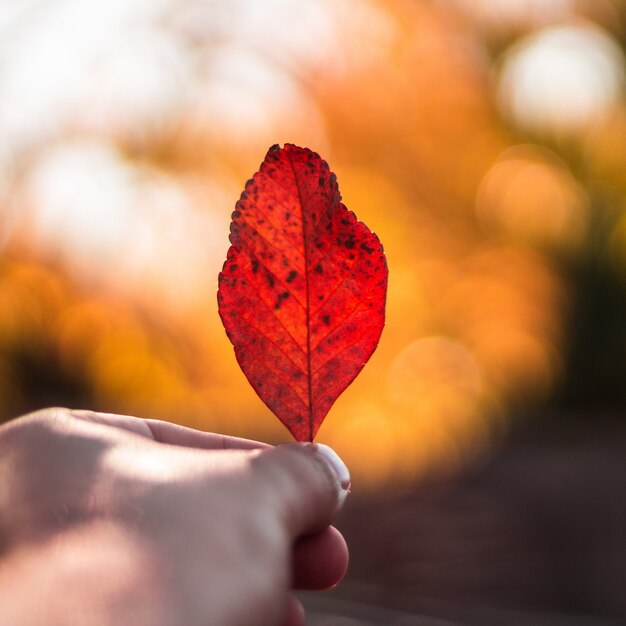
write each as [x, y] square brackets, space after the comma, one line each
[338, 326]
[260, 234]
[274, 370]
[281, 323]
[280, 281]
[363, 336]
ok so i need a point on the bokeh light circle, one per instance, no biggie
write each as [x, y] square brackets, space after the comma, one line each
[560, 79]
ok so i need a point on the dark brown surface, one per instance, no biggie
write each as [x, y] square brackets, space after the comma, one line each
[537, 535]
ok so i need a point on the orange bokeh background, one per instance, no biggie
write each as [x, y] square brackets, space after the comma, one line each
[129, 129]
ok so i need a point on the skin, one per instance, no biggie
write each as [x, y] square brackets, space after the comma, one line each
[108, 519]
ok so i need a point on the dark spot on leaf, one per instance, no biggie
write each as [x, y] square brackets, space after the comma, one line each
[255, 266]
[350, 243]
[274, 148]
[233, 267]
[236, 214]
[281, 297]
[321, 181]
[291, 276]
[244, 195]
[326, 320]
[270, 279]
[367, 249]
[319, 269]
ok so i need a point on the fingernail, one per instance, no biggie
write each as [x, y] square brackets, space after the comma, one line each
[333, 460]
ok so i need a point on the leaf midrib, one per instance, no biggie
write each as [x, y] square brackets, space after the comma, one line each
[307, 298]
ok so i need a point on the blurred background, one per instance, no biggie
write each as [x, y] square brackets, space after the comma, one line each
[484, 141]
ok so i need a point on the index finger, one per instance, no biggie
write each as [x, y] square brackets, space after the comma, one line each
[169, 433]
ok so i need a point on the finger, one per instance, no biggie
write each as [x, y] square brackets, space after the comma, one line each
[294, 614]
[306, 484]
[176, 435]
[320, 561]
[168, 433]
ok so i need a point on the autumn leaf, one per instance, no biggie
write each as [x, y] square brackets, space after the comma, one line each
[302, 292]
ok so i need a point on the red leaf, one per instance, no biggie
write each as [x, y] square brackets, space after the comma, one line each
[302, 291]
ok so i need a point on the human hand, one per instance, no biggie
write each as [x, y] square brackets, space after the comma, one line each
[108, 519]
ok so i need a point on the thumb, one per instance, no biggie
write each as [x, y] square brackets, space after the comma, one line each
[307, 483]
